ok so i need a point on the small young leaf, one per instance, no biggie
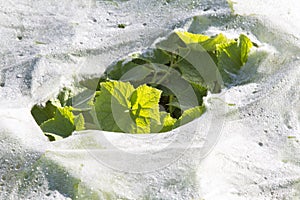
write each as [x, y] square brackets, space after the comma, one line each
[167, 122]
[65, 97]
[79, 122]
[245, 45]
[207, 43]
[189, 38]
[212, 43]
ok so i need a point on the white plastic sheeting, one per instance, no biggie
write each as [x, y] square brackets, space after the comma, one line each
[246, 151]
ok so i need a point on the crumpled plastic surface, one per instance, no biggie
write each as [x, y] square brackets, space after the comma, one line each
[246, 146]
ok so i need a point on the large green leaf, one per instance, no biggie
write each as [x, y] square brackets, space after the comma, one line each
[189, 72]
[207, 43]
[232, 56]
[245, 45]
[56, 121]
[118, 69]
[157, 56]
[145, 108]
[195, 62]
[43, 113]
[142, 74]
[62, 124]
[228, 54]
[112, 104]
[121, 108]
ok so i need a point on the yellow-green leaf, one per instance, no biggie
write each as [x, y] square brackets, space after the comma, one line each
[62, 124]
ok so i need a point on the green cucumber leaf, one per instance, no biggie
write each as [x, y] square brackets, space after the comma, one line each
[117, 70]
[167, 121]
[56, 119]
[245, 45]
[42, 114]
[157, 56]
[65, 97]
[145, 108]
[189, 38]
[232, 56]
[229, 55]
[212, 43]
[79, 122]
[195, 62]
[200, 92]
[121, 108]
[140, 74]
[189, 72]
[62, 124]
[207, 43]
[189, 115]
[112, 103]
